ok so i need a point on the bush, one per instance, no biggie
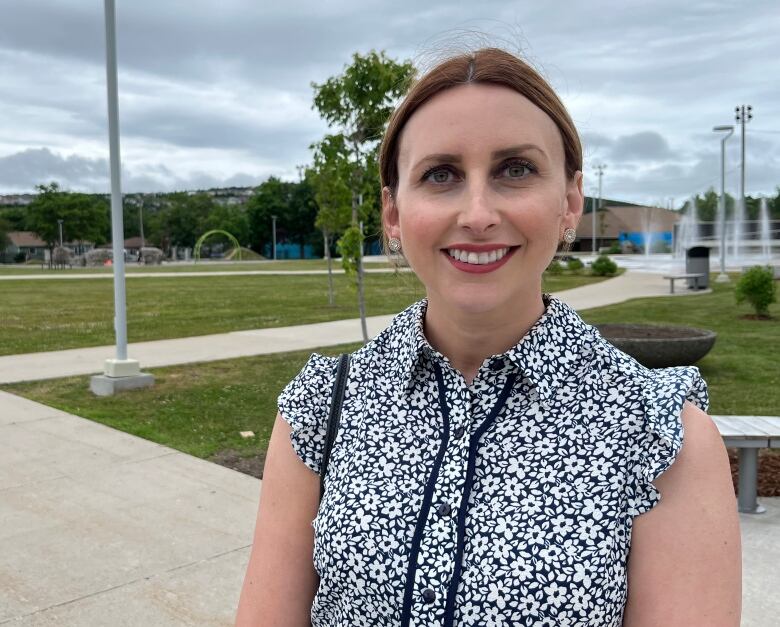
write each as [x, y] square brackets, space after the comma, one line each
[757, 286]
[555, 267]
[615, 249]
[604, 266]
[574, 265]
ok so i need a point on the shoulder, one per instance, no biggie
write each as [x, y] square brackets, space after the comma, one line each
[684, 563]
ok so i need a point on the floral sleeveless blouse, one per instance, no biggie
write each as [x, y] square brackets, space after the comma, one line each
[509, 501]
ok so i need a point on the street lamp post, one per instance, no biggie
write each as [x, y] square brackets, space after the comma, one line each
[723, 277]
[273, 221]
[600, 170]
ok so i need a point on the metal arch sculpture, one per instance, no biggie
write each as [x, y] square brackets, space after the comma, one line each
[208, 234]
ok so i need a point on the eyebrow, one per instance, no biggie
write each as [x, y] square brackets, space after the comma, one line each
[498, 154]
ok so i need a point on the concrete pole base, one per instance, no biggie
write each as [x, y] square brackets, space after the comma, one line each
[722, 278]
[101, 385]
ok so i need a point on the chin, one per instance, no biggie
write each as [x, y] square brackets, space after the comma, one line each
[474, 299]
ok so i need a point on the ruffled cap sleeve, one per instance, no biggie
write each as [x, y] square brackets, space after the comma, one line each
[660, 441]
[304, 404]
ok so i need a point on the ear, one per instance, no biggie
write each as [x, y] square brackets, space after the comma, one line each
[575, 201]
[390, 217]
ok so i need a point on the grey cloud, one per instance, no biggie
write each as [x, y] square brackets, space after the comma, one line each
[677, 68]
[643, 146]
[28, 168]
[22, 171]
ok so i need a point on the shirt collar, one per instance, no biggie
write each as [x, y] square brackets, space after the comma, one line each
[545, 355]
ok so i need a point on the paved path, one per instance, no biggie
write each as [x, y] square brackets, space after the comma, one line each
[146, 275]
[78, 361]
[101, 527]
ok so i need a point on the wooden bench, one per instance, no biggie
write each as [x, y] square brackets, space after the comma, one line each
[673, 277]
[748, 434]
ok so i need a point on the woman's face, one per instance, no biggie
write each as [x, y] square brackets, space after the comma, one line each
[481, 168]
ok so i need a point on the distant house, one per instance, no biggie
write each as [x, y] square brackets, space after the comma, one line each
[622, 225]
[33, 247]
[28, 243]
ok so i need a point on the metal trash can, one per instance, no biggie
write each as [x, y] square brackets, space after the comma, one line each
[697, 261]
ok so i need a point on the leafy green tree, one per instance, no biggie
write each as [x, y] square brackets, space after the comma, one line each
[295, 206]
[230, 218]
[357, 103]
[329, 177]
[5, 229]
[271, 198]
[85, 217]
[184, 219]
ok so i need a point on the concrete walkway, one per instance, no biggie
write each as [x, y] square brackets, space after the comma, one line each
[100, 527]
[78, 361]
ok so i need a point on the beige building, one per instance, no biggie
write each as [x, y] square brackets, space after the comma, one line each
[627, 225]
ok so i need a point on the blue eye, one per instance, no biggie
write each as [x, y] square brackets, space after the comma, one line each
[438, 175]
[518, 169]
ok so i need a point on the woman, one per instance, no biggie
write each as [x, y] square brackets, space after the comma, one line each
[497, 461]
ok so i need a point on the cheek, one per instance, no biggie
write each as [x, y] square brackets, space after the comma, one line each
[420, 225]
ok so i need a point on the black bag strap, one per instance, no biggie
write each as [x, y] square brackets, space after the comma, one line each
[337, 399]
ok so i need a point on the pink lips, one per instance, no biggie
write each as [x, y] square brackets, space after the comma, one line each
[479, 269]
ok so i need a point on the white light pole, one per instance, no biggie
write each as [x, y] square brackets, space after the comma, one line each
[723, 277]
[600, 171]
[121, 372]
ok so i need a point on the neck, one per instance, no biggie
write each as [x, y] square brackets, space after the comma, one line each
[468, 338]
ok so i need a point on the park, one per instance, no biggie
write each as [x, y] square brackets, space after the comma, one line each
[145, 338]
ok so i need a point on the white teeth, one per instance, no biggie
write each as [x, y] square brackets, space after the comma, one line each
[477, 258]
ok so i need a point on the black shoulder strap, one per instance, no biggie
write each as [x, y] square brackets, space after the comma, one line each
[335, 413]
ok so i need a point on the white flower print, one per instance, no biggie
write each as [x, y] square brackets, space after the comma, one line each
[550, 480]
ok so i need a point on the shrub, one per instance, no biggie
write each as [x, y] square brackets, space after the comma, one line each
[604, 266]
[574, 264]
[615, 249]
[555, 267]
[757, 287]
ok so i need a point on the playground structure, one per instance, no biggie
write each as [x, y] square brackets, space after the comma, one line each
[207, 234]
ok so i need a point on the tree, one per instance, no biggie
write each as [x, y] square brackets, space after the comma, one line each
[5, 229]
[184, 219]
[85, 217]
[358, 103]
[229, 218]
[329, 177]
[295, 207]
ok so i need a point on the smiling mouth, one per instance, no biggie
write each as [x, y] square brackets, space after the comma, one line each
[479, 259]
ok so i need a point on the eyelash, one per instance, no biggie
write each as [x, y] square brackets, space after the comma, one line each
[504, 166]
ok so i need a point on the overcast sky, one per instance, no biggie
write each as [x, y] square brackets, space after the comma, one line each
[218, 93]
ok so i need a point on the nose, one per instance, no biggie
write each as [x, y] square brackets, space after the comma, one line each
[478, 213]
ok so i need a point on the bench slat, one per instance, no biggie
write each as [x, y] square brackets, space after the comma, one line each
[748, 426]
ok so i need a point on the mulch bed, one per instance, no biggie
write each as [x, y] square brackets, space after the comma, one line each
[768, 467]
[768, 471]
[251, 465]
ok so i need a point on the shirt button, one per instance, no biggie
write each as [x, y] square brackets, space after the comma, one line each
[429, 596]
[458, 433]
[445, 509]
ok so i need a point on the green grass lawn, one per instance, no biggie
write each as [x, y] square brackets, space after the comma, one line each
[204, 266]
[45, 315]
[200, 408]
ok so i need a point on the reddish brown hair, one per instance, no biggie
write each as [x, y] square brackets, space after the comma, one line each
[488, 65]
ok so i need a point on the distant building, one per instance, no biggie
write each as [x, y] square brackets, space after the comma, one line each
[33, 247]
[16, 199]
[627, 226]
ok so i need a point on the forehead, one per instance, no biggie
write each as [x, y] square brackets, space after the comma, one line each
[476, 119]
